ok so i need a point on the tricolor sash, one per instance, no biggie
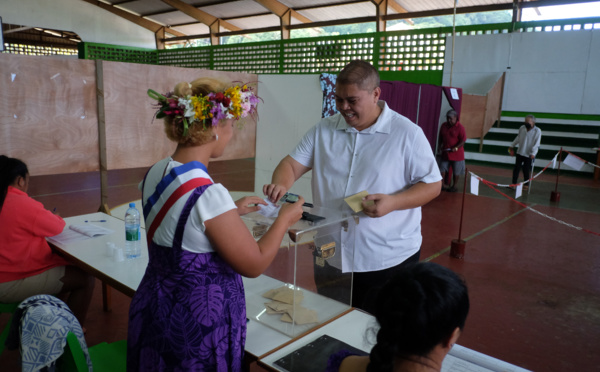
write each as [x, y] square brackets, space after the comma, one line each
[176, 184]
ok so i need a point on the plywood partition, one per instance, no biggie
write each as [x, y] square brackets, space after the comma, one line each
[48, 114]
[133, 138]
[493, 105]
[472, 114]
[480, 112]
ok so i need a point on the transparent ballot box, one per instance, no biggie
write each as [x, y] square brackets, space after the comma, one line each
[304, 286]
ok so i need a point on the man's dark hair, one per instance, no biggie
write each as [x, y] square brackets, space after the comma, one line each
[419, 308]
[361, 73]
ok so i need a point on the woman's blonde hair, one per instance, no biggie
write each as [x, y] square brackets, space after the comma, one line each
[198, 134]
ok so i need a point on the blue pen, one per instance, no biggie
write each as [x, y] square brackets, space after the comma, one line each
[96, 221]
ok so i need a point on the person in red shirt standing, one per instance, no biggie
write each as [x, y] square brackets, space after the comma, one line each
[451, 148]
[28, 266]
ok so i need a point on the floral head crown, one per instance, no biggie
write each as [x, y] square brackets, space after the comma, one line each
[234, 103]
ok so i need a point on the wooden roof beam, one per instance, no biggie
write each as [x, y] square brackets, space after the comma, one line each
[280, 10]
[400, 9]
[200, 15]
[381, 7]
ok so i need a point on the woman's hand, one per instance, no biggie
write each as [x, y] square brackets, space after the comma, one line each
[249, 204]
[290, 213]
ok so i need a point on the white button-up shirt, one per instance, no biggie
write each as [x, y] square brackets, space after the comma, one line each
[386, 158]
[528, 141]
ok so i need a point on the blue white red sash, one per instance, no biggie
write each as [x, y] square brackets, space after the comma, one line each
[170, 189]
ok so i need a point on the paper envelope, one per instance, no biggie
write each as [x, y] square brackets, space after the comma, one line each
[355, 201]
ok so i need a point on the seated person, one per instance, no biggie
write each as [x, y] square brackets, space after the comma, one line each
[421, 312]
[28, 267]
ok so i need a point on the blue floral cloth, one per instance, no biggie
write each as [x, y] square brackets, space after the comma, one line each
[328, 88]
[43, 322]
[189, 312]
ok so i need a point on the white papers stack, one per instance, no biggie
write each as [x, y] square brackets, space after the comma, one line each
[80, 232]
[461, 359]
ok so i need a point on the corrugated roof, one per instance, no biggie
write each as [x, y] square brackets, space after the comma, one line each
[184, 18]
[253, 15]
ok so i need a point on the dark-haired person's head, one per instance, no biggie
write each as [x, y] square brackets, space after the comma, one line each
[420, 309]
[451, 117]
[360, 73]
[357, 92]
[12, 172]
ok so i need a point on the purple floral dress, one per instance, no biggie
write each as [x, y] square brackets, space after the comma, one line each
[189, 312]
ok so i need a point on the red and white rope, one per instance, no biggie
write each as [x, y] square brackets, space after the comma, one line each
[491, 186]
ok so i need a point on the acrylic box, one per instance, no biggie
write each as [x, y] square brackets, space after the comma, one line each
[286, 297]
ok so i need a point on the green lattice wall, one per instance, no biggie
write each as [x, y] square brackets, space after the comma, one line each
[117, 53]
[414, 56]
[38, 50]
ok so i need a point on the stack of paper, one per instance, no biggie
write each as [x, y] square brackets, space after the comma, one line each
[80, 232]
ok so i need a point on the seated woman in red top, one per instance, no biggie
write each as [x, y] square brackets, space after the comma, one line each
[28, 266]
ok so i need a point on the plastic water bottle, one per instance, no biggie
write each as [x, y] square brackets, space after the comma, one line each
[133, 244]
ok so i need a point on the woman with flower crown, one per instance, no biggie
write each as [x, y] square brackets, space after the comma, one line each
[189, 310]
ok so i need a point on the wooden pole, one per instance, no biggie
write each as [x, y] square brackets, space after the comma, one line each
[102, 138]
[106, 292]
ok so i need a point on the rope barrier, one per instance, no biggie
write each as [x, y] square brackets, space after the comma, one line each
[491, 186]
[544, 169]
[527, 181]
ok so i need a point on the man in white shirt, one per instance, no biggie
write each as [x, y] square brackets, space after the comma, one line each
[528, 140]
[366, 146]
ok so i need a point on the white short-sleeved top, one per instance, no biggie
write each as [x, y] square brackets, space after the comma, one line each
[215, 201]
[387, 158]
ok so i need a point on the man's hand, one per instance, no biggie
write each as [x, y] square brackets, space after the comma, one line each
[274, 192]
[377, 205]
[511, 151]
[249, 204]
[419, 194]
[285, 174]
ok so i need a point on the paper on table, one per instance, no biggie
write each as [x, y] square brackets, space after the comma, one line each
[91, 230]
[79, 232]
[461, 359]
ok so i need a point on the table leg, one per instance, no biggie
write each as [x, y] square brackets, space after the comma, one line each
[106, 297]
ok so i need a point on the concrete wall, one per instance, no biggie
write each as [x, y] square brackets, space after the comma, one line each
[292, 105]
[554, 72]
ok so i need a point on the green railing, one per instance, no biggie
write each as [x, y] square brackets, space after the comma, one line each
[410, 55]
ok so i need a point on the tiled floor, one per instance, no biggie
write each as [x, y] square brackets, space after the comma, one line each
[533, 280]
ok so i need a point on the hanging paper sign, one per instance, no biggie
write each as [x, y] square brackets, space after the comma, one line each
[474, 185]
